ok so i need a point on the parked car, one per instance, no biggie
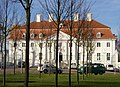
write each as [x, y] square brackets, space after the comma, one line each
[8, 65]
[116, 70]
[21, 63]
[49, 69]
[110, 67]
[95, 68]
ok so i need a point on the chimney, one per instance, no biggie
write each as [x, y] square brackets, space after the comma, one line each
[76, 16]
[89, 17]
[38, 18]
[50, 17]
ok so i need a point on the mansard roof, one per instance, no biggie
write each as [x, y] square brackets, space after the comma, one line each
[49, 28]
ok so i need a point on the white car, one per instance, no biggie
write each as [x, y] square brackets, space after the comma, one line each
[73, 65]
[49, 69]
[110, 67]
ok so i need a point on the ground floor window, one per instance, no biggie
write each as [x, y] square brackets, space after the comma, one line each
[118, 57]
[108, 56]
[98, 56]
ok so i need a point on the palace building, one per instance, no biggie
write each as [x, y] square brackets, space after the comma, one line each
[43, 40]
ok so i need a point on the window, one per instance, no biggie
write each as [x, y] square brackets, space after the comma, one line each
[41, 35]
[61, 25]
[79, 55]
[23, 35]
[23, 44]
[32, 35]
[98, 35]
[59, 44]
[32, 44]
[49, 44]
[118, 57]
[108, 56]
[98, 44]
[108, 44]
[98, 56]
[70, 44]
[40, 45]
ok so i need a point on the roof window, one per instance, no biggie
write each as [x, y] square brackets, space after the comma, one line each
[98, 35]
[32, 35]
[61, 25]
[41, 35]
[23, 35]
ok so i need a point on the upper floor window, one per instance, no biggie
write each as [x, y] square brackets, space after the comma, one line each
[70, 44]
[49, 44]
[60, 44]
[98, 44]
[32, 44]
[40, 45]
[98, 56]
[108, 44]
[108, 56]
[23, 44]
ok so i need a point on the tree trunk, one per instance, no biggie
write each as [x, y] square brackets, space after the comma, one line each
[6, 17]
[78, 65]
[58, 21]
[83, 59]
[27, 43]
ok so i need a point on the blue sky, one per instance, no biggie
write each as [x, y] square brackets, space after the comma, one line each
[107, 12]
[104, 11]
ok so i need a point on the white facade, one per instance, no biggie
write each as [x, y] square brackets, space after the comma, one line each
[105, 53]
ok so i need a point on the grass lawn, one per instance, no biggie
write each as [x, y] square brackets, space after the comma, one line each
[46, 80]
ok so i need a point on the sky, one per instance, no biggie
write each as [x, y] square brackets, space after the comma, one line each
[106, 12]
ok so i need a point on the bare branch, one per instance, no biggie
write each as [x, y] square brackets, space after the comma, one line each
[22, 4]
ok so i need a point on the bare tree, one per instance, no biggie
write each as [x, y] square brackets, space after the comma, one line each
[7, 20]
[63, 10]
[60, 10]
[27, 5]
[90, 46]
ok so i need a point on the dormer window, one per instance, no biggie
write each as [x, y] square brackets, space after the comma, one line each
[61, 25]
[32, 35]
[98, 35]
[23, 35]
[41, 35]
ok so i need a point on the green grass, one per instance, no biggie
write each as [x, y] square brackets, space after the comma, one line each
[46, 80]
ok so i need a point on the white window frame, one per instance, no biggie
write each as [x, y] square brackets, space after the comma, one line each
[32, 35]
[98, 35]
[23, 35]
[98, 44]
[108, 44]
[108, 56]
[32, 44]
[41, 35]
[23, 44]
[98, 56]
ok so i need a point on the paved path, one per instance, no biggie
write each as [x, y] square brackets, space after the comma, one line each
[31, 70]
[34, 71]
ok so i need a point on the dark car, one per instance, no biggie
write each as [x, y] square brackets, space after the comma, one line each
[95, 68]
[21, 64]
[46, 68]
